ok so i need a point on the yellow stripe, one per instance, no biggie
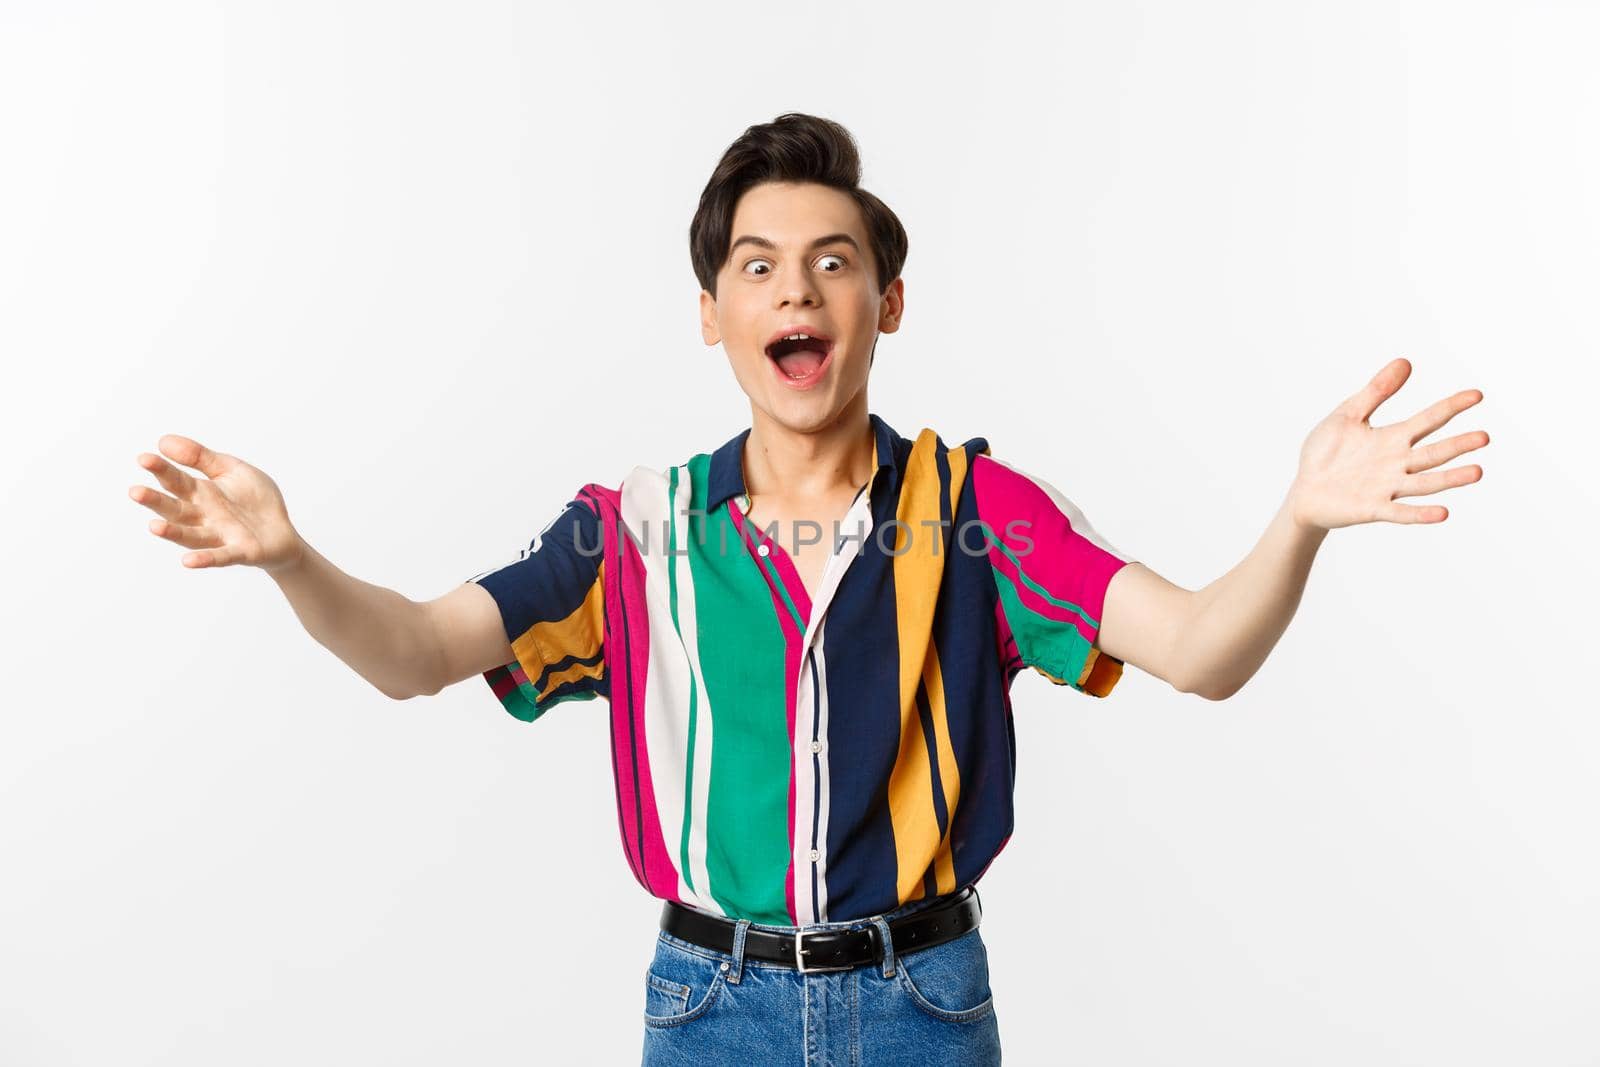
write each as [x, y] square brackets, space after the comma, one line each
[918, 571]
[580, 634]
[949, 773]
[1101, 673]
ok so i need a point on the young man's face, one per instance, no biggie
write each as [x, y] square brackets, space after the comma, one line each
[779, 280]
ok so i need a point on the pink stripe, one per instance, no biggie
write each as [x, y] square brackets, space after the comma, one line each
[625, 591]
[754, 535]
[1067, 564]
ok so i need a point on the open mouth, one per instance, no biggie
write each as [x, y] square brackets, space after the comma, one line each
[800, 355]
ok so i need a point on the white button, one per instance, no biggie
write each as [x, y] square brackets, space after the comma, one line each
[816, 746]
[763, 549]
[724, 964]
[813, 853]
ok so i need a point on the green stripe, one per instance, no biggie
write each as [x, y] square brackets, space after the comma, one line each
[1043, 593]
[1050, 644]
[743, 657]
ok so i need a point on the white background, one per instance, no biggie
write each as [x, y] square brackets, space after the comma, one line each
[428, 267]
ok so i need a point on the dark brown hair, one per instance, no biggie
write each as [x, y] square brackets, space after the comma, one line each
[794, 147]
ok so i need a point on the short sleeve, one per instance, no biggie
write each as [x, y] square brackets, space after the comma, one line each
[1051, 570]
[552, 604]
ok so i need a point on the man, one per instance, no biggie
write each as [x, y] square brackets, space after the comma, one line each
[806, 635]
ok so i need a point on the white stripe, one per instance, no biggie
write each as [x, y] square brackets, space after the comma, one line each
[646, 513]
[823, 775]
[811, 711]
[689, 626]
[805, 786]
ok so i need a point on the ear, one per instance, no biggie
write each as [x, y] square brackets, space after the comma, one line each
[892, 306]
[708, 318]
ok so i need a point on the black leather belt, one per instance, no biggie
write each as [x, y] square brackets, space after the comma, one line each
[830, 949]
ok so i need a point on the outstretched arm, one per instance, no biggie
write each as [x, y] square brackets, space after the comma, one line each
[1211, 642]
[235, 516]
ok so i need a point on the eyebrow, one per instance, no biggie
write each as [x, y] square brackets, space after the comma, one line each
[826, 239]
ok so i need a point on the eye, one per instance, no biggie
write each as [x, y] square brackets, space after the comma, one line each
[754, 261]
[832, 255]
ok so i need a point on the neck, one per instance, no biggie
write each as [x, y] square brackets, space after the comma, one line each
[810, 464]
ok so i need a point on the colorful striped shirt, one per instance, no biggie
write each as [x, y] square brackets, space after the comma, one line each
[793, 760]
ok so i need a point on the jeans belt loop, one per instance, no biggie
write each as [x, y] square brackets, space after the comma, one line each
[739, 930]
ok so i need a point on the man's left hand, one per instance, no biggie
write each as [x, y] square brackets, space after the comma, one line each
[1351, 472]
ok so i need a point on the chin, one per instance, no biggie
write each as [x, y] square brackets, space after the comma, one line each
[809, 411]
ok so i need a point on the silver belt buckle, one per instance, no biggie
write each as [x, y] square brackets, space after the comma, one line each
[799, 957]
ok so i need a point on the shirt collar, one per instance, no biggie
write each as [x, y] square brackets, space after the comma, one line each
[726, 478]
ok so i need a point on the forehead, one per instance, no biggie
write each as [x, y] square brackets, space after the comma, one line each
[791, 213]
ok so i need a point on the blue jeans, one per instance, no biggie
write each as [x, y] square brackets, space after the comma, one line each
[928, 1008]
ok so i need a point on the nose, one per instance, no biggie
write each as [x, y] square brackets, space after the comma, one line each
[797, 288]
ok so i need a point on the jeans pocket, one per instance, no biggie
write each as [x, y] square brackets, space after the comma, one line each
[680, 985]
[949, 981]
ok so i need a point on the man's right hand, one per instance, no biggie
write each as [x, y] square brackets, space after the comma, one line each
[234, 515]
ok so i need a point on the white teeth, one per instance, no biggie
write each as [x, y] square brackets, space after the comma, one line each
[797, 337]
